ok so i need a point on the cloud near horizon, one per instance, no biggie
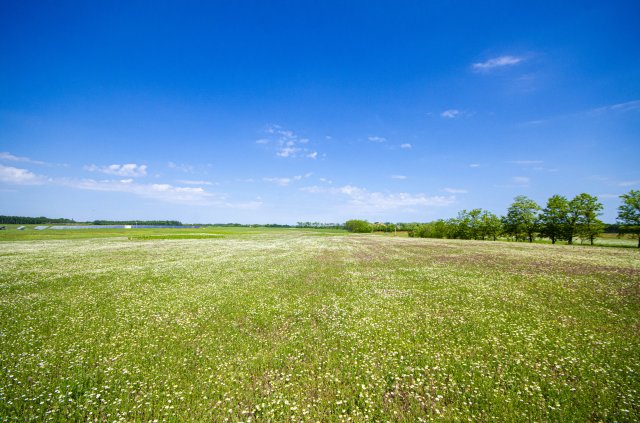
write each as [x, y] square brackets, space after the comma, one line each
[366, 200]
[157, 191]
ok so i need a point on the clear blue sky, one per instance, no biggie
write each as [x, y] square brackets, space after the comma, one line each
[275, 111]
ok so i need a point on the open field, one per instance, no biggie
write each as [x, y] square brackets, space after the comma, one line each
[290, 325]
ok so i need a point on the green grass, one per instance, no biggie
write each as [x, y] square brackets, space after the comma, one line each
[290, 325]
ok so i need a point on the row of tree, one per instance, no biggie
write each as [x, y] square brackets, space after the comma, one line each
[560, 220]
[32, 220]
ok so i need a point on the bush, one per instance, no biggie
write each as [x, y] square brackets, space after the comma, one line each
[358, 226]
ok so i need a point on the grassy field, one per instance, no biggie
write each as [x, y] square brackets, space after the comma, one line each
[303, 325]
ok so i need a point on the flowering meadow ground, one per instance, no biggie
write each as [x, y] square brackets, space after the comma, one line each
[295, 325]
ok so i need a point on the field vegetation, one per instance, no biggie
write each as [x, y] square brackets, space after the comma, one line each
[314, 325]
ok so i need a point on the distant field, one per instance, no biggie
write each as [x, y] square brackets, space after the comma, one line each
[314, 325]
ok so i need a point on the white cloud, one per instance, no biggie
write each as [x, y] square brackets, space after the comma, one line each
[629, 183]
[286, 181]
[161, 192]
[17, 176]
[521, 180]
[608, 196]
[193, 182]
[450, 114]
[455, 190]
[474, 165]
[287, 143]
[5, 155]
[619, 107]
[283, 182]
[377, 139]
[405, 145]
[398, 177]
[129, 169]
[181, 167]
[497, 62]
[363, 199]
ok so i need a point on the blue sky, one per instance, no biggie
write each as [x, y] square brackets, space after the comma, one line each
[259, 112]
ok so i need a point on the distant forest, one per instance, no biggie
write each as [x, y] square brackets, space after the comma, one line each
[24, 220]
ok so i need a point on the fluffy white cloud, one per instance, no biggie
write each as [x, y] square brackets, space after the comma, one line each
[450, 114]
[398, 177]
[287, 143]
[377, 139]
[129, 169]
[497, 62]
[17, 176]
[405, 145]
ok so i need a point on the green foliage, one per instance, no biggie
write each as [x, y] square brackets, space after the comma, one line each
[553, 218]
[588, 224]
[32, 220]
[629, 214]
[521, 221]
[358, 226]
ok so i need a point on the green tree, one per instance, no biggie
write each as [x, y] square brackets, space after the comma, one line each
[521, 220]
[490, 225]
[629, 214]
[358, 226]
[589, 208]
[553, 219]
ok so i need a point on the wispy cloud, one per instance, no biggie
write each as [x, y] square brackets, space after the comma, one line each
[526, 162]
[629, 183]
[129, 169]
[521, 180]
[362, 199]
[608, 196]
[474, 165]
[18, 176]
[619, 107]
[193, 182]
[181, 167]
[455, 190]
[401, 177]
[285, 181]
[602, 111]
[287, 143]
[497, 62]
[406, 146]
[374, 138]
[450, 113]
[161, 192]
[6, 156]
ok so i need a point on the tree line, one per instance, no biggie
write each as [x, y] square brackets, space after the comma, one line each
[561, 219]
[32, 220]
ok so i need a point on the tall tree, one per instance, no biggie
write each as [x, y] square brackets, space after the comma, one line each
[588, 224]
[629, 214]
[553, 219]
[522, 218]
[490, 225]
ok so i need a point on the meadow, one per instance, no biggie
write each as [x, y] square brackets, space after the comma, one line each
[249, 324]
